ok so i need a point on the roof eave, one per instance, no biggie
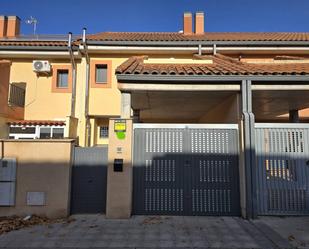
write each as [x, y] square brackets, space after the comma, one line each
[196, 43]
[38, 48]
[142, 78]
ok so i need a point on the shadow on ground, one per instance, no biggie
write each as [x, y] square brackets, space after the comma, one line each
[95, 231]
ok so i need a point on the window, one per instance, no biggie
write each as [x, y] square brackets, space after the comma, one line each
[51, 132]
[45, 132]
[58, 132]
[63, 78]
[22, 130]
[17, 94]
[104, 131]
[101, 73]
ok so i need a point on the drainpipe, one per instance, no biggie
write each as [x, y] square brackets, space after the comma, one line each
[200, 49]
[73, 75]
[2, 150]
[214, 50]
[88, 125]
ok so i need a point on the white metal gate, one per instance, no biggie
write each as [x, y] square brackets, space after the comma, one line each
[282, 153]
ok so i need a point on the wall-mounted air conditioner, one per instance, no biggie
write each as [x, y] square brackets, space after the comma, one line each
[41, 66]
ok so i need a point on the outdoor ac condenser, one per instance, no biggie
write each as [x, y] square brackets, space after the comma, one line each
[41, 66]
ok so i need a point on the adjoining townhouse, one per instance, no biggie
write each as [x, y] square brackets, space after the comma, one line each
[196, 123]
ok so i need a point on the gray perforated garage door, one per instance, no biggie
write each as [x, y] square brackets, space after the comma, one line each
[186, 170]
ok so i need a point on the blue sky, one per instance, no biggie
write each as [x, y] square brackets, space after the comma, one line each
[62, 16]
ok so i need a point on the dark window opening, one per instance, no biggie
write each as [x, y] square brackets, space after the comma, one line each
[58, 133]
[22, 130]
[104, 131]
[62, 78]
[101, 73]
[45, 133]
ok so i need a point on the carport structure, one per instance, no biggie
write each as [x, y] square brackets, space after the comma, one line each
[198, 145]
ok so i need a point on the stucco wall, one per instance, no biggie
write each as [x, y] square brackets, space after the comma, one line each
[6, 110]
[227, 111]
[42, 166]
[41, 103]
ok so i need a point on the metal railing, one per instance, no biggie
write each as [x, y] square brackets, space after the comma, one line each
[17, 95]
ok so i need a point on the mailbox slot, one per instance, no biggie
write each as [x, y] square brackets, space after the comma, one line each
[118, 165]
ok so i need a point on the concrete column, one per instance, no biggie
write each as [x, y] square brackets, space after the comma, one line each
[247, 155]
[293, 116]
[119, 183]
[125, 105]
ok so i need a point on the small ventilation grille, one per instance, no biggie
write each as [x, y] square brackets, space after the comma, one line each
[164, 200]
[164, 140]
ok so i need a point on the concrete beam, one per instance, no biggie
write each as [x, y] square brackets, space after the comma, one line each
[125, 105]
[178, 87]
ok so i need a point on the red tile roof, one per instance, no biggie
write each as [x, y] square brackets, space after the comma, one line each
[168, 37]
[208, 36]
[222, 65]
[33, 43]
[37, 122]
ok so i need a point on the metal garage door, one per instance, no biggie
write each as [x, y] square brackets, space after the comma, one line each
[185, 169]
[282, 168]
[89, 177]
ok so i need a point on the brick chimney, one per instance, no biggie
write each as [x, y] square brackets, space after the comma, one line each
[13, 26]
[199, 23]
[187, 23]
[3, 26]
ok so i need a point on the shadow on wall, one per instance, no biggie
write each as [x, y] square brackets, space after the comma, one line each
[208, 184]
[186, 183]
[89, 180]
[41, 184]
[41, 188]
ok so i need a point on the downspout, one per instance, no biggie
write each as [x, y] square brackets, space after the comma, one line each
[88, 125]
[73, 75]
[200, 49]
[214, 50]
[2, 150]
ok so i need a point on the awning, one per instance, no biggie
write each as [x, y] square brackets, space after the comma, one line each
[37, 122]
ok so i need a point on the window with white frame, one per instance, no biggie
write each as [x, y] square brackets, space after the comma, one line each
[22, 132]
[35, 132]
[51, 132]
[58, 133]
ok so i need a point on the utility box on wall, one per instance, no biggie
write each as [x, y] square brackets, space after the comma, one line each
[7, 193]
[7, 181]
[8, 170]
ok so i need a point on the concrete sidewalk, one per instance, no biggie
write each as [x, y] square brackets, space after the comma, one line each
[95, 231]
[293, 229]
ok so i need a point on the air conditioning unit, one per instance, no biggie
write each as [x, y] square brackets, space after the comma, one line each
[41, 66]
